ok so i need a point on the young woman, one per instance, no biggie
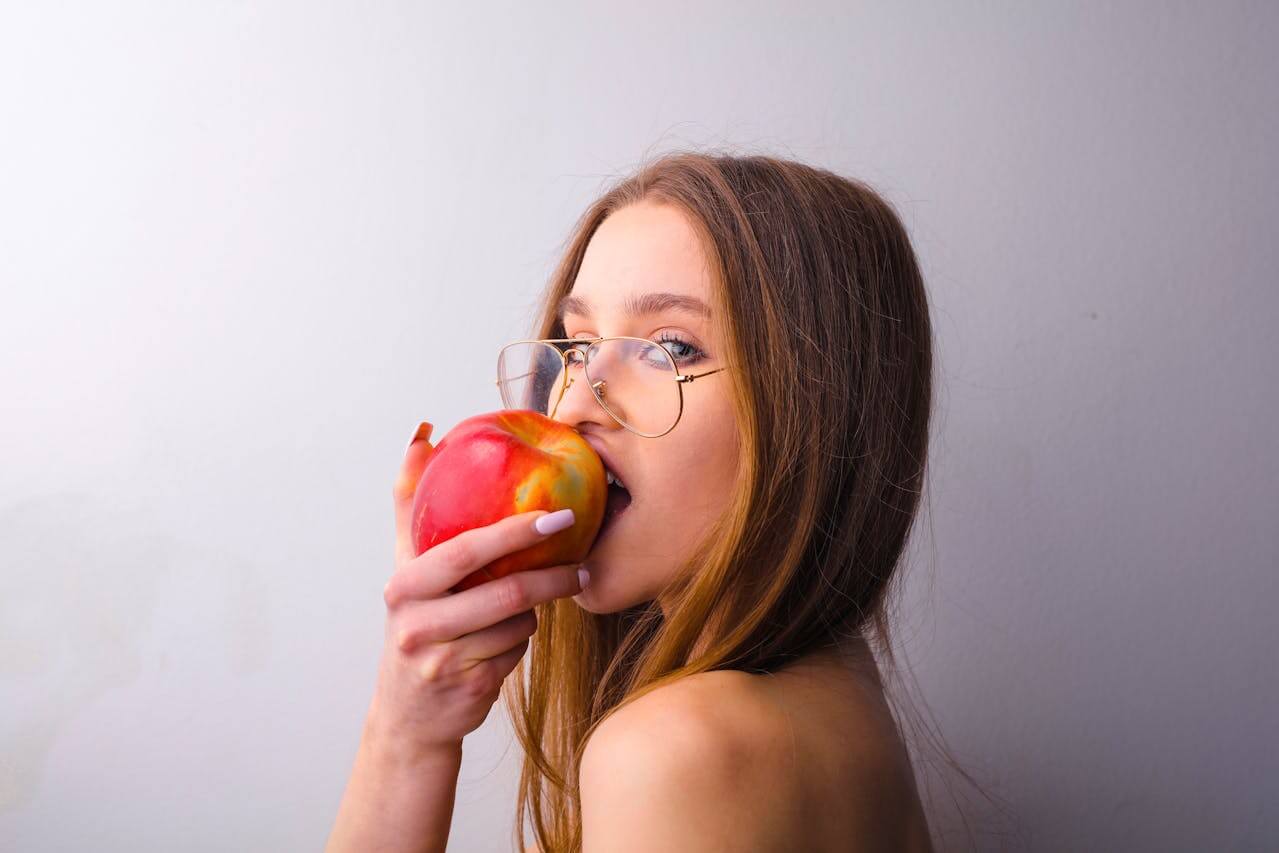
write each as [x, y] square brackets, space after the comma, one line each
[708, 683]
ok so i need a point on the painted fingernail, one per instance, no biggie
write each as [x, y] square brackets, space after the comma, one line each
[583, 577]
[423, 431]
[554, 521]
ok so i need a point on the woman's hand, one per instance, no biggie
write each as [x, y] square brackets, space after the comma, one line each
[447, 654]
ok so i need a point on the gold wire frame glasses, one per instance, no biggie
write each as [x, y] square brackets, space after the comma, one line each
[523, 362]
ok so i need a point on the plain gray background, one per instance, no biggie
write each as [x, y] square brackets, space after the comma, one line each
[246, 247]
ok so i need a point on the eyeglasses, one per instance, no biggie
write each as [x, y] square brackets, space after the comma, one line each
[635, 380]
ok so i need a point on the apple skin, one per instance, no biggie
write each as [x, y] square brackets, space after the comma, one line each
[501, 463]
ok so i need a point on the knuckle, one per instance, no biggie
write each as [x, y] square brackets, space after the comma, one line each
[445, 656]
[460, 554]
[513, 595]
[433, 666]
[404, 640]
[391, 593]
[428, 672]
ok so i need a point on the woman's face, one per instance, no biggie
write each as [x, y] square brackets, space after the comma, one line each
[679, 482]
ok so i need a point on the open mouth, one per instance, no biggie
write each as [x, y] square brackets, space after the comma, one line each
[618, 500]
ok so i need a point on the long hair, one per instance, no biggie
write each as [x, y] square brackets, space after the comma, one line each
[821, 296]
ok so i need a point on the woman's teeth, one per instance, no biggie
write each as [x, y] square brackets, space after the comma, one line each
[612, 479]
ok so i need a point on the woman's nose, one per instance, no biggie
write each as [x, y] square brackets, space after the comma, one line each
[578, 403]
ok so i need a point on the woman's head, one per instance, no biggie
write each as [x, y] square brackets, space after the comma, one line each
[770, 522]
[644, 274]
[808, 451]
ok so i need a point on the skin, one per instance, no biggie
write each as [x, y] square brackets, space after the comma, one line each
[808, 758]
[802, 759]
[819, 734]
[677, 481]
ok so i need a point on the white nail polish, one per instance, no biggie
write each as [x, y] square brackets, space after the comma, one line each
[554, 522]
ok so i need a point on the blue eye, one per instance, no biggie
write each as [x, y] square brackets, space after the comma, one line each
[691, 353]
[684, 352]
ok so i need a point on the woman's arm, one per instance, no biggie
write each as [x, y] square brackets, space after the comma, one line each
[396, 801]
[445, 657]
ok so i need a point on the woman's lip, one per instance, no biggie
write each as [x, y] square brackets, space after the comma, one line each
[609, 462]
[610, 522]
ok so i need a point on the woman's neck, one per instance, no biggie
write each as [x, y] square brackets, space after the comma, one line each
[850, 655]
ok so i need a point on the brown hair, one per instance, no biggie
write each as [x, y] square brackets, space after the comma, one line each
[819, 292]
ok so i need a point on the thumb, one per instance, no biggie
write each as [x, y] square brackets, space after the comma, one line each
[416, 456]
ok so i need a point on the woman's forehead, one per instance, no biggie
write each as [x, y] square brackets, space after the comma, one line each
[643, 259]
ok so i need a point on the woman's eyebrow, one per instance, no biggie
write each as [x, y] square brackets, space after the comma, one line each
[639, 306]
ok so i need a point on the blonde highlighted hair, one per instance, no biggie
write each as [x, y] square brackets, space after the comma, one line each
[817, 290]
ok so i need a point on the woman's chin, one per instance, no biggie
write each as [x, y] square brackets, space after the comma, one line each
[609, 531]
[594, 598]
[582, 600]
[598, 596]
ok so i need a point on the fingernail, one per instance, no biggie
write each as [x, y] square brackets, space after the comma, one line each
[423, 431]
[554, 521]
[583, 577]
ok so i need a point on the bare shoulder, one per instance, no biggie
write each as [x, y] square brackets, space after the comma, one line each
[856, 781]
[730, 760]
[711, 715]
[702, 763]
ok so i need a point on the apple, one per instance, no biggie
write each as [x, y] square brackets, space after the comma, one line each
[501, 463]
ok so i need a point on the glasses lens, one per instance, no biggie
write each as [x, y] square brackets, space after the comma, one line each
[633, 379]
[530, 376]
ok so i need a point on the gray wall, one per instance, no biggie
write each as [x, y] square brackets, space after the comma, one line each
[241, 243]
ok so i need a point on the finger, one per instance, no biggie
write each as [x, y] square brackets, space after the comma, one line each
[411, 467]
[480, 646]
[476, 646]
[439, 568]
[440, 620]
[501, 665]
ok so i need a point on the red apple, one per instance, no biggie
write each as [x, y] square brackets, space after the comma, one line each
[498, 464]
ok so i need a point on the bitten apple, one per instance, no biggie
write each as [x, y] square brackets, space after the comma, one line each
[501, 463]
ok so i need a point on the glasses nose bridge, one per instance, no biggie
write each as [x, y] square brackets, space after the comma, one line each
[582, 356]
[569, 356]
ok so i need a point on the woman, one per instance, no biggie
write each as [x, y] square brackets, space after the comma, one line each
[710, 685]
